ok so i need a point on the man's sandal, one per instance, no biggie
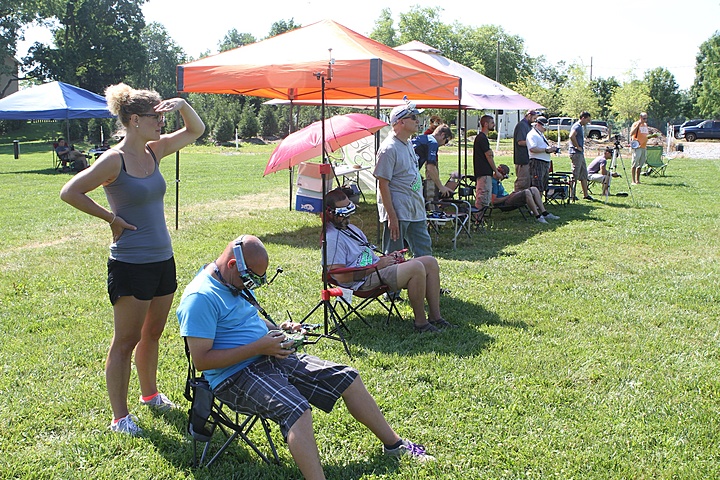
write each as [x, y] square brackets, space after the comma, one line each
[426, 328]
[442, 323]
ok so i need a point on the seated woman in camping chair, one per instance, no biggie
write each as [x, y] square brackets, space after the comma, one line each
[347, 246]
[529, 196]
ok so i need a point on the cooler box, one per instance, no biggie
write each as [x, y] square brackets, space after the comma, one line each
[314, 184]
[313, 170]
[308, 201]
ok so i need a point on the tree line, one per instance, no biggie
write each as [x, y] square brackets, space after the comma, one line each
[97, 43]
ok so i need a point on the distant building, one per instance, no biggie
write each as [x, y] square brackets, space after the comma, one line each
[8, 81]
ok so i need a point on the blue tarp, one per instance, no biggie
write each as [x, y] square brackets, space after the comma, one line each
[53, 101]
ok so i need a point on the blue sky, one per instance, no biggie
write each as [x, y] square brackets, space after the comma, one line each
[619, 38]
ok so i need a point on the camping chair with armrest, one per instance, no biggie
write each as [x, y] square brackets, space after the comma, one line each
[456, 213]
[654, 164]
[560, 188]
[466, 192]
[207, 413]
[523, 209]
[367, 296]
[60, 162]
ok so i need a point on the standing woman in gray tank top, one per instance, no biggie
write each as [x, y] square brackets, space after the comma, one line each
[141, 267]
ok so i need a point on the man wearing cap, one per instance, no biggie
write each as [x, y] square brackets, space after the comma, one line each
[521, 158]
[426, 148]
[639, 132]
[401, 205]
[483, 163]
[539, 150]
[577, 153]
[529, 196]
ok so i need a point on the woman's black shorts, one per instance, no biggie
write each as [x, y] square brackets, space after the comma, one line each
[143, 281]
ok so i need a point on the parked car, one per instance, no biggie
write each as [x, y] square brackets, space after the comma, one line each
[597, 129]
[592, 130]
[688, 123]
[706, 129]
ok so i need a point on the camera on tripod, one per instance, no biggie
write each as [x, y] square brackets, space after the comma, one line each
[617, 140]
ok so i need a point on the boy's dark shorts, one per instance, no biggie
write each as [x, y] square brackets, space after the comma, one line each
[143, 281]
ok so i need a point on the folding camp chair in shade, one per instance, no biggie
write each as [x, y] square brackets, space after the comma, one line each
[207, 414]
[466, 192]
[654, 162]
[453, 213]
[368, 297]
[508, 208]
[559, 189]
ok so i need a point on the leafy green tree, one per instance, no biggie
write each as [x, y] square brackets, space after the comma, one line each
[477, 48]
[163, 58]
[543, 85]
[282, 26]
[234, 39]
[577, 95]
[603, 89]
[15, 15]
[98, 43]
[629, 100]
[248, 126]
[268, 121]
[706, 89]
[384, 31]
[545, 96]
[665, 103]
[223, 130]
[424, 25]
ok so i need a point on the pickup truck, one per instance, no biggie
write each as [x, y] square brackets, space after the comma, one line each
[706, 129]
[564, 123]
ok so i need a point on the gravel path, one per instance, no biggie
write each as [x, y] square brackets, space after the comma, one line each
[705, 150]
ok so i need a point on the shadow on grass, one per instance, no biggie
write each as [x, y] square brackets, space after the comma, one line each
[398, 337]
[44, 171]
[239, 457]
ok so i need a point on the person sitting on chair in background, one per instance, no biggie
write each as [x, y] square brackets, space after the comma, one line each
[347, 246]
[77, 160]
[598, 172]
[426, 148]
[529, 196]
[251, 366]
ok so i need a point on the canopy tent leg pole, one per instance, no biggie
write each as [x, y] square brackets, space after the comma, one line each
[290, 170]
[177, 189]
[326, 169]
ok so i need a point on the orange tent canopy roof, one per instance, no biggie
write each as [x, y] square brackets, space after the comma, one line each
[289, 66]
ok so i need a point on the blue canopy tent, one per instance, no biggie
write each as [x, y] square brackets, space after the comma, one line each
[53, 101]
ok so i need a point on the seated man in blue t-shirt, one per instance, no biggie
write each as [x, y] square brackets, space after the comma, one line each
[426, 148]
[252, 367]
[529, 196]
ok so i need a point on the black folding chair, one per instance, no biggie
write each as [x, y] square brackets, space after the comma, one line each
[207, 413]
[374, 295]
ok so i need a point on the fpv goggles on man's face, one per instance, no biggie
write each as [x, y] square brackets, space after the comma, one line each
[250, 279]
[345, 211]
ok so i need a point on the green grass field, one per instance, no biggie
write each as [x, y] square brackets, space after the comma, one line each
[586, 349]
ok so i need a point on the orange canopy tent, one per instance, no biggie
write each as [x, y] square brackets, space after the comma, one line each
[321, 61]
[288, 66]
